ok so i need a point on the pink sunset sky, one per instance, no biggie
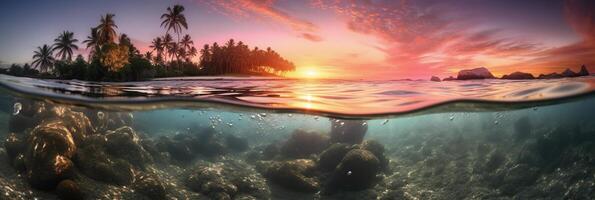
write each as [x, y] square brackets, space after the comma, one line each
[369, 39]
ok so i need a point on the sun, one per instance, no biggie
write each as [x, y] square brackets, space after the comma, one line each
[306, 73]
[310, 73]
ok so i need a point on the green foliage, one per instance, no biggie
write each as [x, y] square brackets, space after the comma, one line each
[72, 70]
[114, 56]
[18, 70]
[239, 59]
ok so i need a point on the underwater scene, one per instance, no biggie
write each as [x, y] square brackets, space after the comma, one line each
[66, 140]
[297, 100]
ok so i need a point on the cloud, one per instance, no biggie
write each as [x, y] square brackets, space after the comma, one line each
[311, 37]
[265, 9]
[423, 37]
[580, 14]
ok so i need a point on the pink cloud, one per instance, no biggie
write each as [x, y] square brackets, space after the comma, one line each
[424, 40]
[265, 9]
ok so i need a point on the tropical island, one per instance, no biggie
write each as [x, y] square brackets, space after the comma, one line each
[113, 57]
[484, 73]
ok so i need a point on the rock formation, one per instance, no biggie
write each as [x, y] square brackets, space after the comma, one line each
[476, 73]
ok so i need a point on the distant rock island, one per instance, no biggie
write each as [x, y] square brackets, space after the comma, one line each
[477, 73]
[484, 73]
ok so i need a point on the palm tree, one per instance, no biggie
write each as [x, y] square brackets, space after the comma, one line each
[168, 45]
[174, 19]
[192, 53]
[186, 42]
[158, 46]
[65, 45]
[92, 42]
[106, 30]
[42, 58]
[149, 55]
[186, 45]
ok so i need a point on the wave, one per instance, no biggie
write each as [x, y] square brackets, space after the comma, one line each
[337, 98]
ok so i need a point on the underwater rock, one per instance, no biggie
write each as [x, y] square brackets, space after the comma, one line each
[13, 145]
[97, 164]
[236, 143]
[69, 190]
[103, 121]
[227, 180]
[296, 175]
[348, 131]
[213, 148]
[124, 143]
[332, 156]
[18, 163]
[378, 150]
[47, 156]
[435, 79]
[78, 124]
[494, 161]
[178, 150]
[20, 123]
[302, 144]
[357, 171]
[46, 174]
[517, 177]
[150, 186]
[271, 150]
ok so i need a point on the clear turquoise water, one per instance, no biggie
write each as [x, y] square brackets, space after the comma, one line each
[274, 139]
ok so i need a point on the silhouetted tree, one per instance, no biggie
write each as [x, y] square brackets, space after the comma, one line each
[106, 30]
[43, 59]
[174, 20]
[64, 44]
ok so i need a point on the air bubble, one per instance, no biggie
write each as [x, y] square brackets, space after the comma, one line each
[349, 173]
[290, 115]
[364, 123]
[385, 122]
[100, 115]
[496, 122]
[451, 118]
[17, 107]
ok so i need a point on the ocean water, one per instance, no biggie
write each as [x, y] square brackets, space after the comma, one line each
[254, 138]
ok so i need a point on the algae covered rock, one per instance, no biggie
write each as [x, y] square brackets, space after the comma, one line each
[226, 180]
[14, 145]
[378, 150]
[302, 144]
[150, 186]
[356, 171]
[296, 175]
[94, 162]
[69, 190]
[348, 131]
[47, 156]
[124, 143]
[332, 156]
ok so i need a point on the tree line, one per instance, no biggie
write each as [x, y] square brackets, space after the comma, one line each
[113, 57]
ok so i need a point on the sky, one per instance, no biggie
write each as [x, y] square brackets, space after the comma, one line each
[366, 39]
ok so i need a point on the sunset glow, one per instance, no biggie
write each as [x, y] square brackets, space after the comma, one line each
[335, 39]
